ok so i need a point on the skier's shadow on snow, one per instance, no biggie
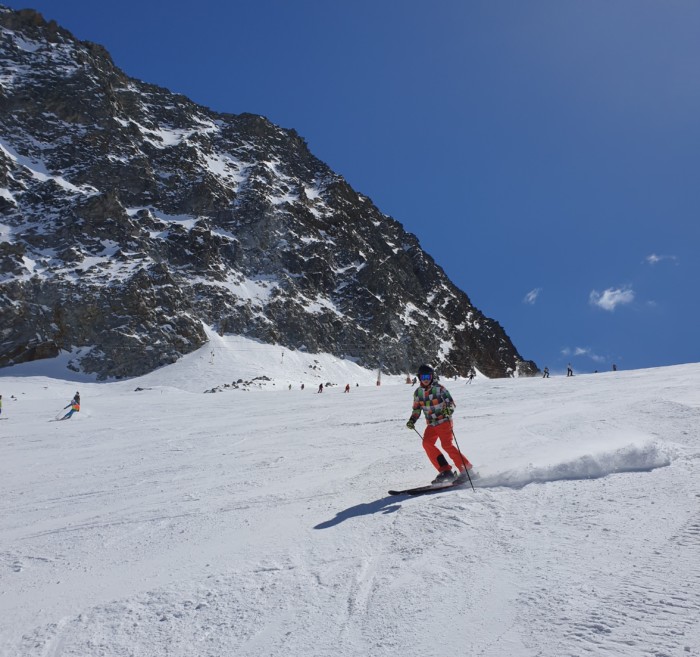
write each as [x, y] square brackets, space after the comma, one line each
[384, 505]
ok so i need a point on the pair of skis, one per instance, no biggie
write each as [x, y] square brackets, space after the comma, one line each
[431, 488]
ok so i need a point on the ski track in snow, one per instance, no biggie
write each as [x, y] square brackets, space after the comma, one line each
[173, 523]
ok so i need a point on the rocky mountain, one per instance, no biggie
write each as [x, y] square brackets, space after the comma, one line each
[131, 218]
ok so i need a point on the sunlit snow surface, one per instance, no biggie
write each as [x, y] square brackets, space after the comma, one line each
[255, 521]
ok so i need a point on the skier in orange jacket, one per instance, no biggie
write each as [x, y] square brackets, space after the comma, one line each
[74, 407]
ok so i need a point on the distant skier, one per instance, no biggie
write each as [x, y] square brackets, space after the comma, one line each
[74, 407]
[472, 374]
[0, 404]
[569, 371]
[347, 387]
[614, 367]
[320, 387]
[546, 373]
[437, 405]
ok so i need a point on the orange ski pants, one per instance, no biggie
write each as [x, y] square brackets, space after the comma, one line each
[444, 433]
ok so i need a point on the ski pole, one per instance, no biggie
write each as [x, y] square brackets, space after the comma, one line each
[463, 463]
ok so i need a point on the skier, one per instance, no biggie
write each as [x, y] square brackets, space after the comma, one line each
[74, 407]
[472, 374]
[437, 404]
[546, 373]
[569, 371]
[0, 404]
[347, 387]
[320, 387]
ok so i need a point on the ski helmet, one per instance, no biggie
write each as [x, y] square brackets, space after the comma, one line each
[426, 369]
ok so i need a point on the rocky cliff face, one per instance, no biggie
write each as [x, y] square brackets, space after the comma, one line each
[131, 217]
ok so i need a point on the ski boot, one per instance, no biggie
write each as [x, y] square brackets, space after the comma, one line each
[445, 477]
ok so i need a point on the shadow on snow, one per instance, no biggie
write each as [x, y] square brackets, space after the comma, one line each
[384, 505]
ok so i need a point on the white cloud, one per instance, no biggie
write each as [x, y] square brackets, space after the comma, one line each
[532, 295]
[582, 351]
[586, 351]
[655, 259]
[611, 298]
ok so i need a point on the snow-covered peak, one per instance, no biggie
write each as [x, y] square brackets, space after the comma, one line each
[134, 220]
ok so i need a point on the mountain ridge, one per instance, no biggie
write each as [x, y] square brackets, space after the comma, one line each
[133, 217]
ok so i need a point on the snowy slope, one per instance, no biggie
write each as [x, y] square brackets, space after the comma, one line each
[256, 521]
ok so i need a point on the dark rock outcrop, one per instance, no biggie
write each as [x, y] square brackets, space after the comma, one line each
[131, 217]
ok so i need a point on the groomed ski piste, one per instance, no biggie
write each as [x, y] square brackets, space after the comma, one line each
[255, 520]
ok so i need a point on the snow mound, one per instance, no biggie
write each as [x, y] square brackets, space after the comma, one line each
[630, 458]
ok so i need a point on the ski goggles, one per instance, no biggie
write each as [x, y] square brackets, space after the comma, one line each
[426, 377]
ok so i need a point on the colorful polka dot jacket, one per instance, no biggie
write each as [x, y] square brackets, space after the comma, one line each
[432, 401]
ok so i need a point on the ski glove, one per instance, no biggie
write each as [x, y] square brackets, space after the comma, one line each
[411, 424]
[448, 411]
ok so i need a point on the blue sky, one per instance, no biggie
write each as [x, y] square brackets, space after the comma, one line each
[545, 153]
